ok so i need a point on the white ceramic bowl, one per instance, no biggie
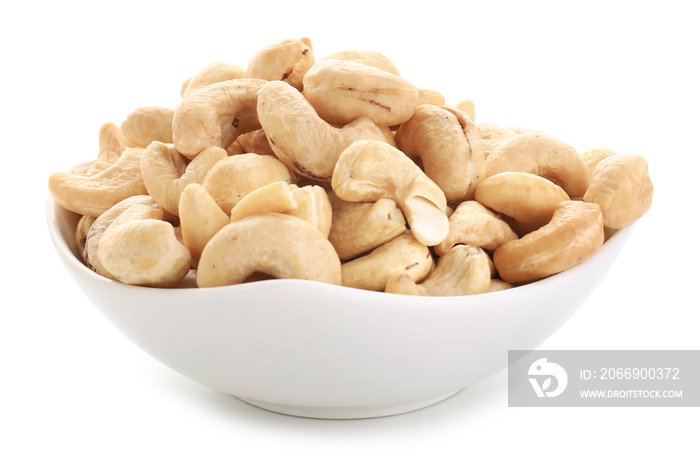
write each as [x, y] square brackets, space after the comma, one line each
[317, 350]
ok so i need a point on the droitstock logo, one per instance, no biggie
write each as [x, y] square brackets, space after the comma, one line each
[542, 373]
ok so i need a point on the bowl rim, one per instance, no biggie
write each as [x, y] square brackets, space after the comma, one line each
[70, 260]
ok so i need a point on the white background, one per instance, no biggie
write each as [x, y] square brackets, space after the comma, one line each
[622, 75]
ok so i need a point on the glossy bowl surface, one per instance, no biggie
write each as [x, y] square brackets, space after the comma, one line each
[317, 350]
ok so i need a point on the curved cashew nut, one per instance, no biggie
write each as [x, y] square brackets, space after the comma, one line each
[216, 115]
[111, 146]
[403, 254]
[200, 219]
[359, 227]
[540, 154]
[527, 198]
[342, 91]
[164, 176]
[276, 244]
[231, 178]
[573, 235]
[300, 138]
[147, 124]
[463, 270]
[138, 249]
[94, 234]
[370, 170]
[595, 156]
[473, 224]
[492, 135]
[366, 57]
[447, 142]
[217, 71]
[621, 186]
[287, 60]
[95, 194]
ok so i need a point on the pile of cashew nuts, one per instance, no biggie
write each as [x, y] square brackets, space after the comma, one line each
[339, 170]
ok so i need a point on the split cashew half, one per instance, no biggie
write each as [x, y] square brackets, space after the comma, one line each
[540, 154]
[95, 194]
[279, 245]
[139, 249]
[166, 173]
[359, 227]
[463, 270]
[447, 142]
[216, 115]
[371, 170]
[342, 91]
[403, 254]
[573, 235]
[287, 60]
[300, 138]
[621, 186]
[200, 219]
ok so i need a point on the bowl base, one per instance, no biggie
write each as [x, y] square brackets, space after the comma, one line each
[348, 413]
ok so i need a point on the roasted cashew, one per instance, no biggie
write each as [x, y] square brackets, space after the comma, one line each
[366, 57]
[462, 270]
[370, 170]
[342, 91]
[276, 244]
[217, 71]
[139, 249]
[359, 227]
[527, 198]
[540, 154]
[231, 178]
[448, 144]
[147, 124]
[94, 234]
[95, 194]
[166, 173]
[473, 224]
[401, 254]
[300, 138]
[286, 60]
[216, 115]
[200, 219]
[621, 186]
[573, 235]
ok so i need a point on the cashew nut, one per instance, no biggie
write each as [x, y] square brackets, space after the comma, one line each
[540, 154]
[200, 219]
[467, 106]
[573, 235]
[595, 156]
[430, 97]
[95, 194]
[300, 138]
[139, 249]
[147, 124]
[313, 206]
[621, 186]
[216, 115]
[366, 57]
[217, 71]
[231, 178]
[401, 254]
[255, 142]
[81, 232]
[276, 244]
[286, 60]
[462, 270]
[359, 227]
[111, 146]
[492, 135]
[94, 234]
[166, 173]
[370, 170]
[342, 91]
[527, 198]
[473, 224]
[448, 144]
